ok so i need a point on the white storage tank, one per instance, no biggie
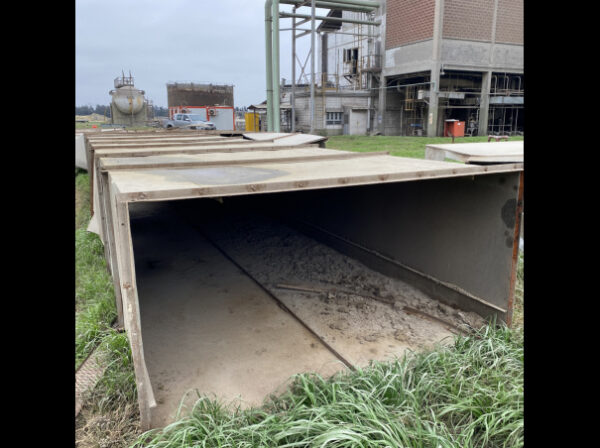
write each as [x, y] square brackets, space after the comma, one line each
[128, 106]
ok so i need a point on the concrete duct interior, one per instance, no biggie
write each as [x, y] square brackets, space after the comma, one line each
[208, 271]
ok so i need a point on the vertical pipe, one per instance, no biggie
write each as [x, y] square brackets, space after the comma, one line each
[312, 67]
[293, 98]
[381, 100]
[269, 62]
[275, 79]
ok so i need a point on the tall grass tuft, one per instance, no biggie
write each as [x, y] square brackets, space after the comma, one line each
[469, 394]
[94, 295]
[117, 386]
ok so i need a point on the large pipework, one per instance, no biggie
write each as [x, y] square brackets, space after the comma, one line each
[272, 16]
[275, 60]
[269, 61]
[330, 5]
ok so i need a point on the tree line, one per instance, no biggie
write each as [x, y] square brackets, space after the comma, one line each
[104, 110]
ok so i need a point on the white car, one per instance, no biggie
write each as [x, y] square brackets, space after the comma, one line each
[191, 121]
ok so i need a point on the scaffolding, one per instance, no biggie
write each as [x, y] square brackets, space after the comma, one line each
[459, 97]
[358, 76]
[506, 105]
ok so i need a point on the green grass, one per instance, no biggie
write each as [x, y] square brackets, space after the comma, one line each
[398, 146]
[117, 386]
[466, 395]
[94, 296]
[90, 124]
[95, 308]
[110, 415]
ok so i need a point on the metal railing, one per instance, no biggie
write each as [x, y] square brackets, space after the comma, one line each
[123, 81]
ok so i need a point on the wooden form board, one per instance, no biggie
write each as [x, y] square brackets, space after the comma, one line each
[493, 152]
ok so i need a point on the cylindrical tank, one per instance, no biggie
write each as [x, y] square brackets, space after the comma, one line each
[128, 99]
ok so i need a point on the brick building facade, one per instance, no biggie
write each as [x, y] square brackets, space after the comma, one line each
[409, 21]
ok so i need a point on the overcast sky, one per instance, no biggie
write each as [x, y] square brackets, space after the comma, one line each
[160, 41]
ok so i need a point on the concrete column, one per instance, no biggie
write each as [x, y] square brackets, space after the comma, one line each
[381, 103]
[484, 102]
[293, 97]
[312, 66]
[381, 106]
[275, 60]
[433, 108]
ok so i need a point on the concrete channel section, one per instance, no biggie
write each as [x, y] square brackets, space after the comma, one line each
[236, 266]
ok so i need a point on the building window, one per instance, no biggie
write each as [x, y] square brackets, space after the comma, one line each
[351, 58]
[334, 118]
[350, 54]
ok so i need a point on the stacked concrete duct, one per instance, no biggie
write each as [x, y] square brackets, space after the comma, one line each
[127, 107]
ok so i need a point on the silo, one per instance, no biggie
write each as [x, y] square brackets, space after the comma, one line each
[127, 106]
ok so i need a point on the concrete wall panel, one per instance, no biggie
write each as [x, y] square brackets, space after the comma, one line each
[467, 53]
[408, 58]
[459, 230]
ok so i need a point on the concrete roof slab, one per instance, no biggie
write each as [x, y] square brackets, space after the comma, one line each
[500, 152]
[177, 183]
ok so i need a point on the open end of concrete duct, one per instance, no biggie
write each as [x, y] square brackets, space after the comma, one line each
[235, 297]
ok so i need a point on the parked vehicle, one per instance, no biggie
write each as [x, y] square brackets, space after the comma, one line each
[191, 121]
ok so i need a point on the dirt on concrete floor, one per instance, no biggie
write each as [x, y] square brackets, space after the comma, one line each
[206, 326]
[360, 312]
[209, 327]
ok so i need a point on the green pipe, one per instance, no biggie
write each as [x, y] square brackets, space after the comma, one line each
[269, 63]
[331, 5]
[328, 19]
[359, 3]
[365, 3]
[275, 60]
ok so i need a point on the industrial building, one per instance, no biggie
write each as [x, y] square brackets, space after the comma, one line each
[199, 94]
[402, 67]
[213, 101]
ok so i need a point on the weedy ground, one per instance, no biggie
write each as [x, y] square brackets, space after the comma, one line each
[110, 416]
[398, 146]
[469, 394]
[466, 395]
